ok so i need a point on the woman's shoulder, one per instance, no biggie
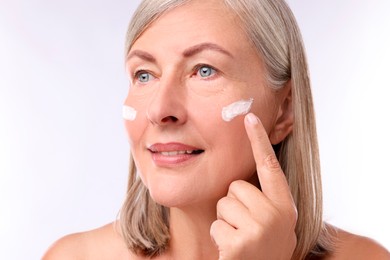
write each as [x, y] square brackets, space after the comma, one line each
[351, 246]
[106, 243]
[101, 243]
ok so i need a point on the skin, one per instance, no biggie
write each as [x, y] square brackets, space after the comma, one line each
[217, 210]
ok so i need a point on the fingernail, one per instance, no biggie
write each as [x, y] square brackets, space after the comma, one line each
[252, 119]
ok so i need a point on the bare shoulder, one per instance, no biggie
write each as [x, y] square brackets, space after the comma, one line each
[351, 246]
[68, 247]
[101, 243]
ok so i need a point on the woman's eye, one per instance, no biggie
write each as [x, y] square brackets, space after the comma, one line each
[206, 71]
[143, 76]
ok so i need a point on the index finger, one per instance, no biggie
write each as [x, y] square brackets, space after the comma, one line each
[271, 177]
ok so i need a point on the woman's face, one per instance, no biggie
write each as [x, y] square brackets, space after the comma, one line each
[186, 66]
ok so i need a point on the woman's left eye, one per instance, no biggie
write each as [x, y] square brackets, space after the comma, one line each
[143, 76]
[205, 71]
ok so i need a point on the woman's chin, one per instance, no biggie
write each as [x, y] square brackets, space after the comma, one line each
[183, 190]
[173, 197]
[185, 198]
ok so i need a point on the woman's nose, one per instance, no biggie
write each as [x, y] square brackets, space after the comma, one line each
[167, 105]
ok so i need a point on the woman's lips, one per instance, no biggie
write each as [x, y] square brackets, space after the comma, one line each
[173, 154]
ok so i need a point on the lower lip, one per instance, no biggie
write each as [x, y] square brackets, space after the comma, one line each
[173, 160]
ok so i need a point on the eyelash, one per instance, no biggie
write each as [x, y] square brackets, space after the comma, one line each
[138, 72]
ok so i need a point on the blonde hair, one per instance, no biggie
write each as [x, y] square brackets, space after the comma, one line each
[272, 28]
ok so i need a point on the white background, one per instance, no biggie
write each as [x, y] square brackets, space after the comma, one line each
[63, 150]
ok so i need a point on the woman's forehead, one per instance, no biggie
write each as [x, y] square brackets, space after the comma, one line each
[194, 23]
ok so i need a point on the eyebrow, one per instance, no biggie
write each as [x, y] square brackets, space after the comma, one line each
[191, 51]
[142, 55]
[205, 46]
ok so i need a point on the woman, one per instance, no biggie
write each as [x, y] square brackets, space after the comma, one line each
[206, 180]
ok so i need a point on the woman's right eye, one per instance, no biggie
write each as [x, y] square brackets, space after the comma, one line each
[143, 76]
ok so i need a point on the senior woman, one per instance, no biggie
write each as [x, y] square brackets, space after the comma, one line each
[220, 121]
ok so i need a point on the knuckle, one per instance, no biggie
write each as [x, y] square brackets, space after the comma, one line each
[294, 240]
[292, 215]
[256, 231]
[273, 215]
[222, 203]
[214, 227]
[272, 162]
[237, 243]
[295, 214]
[235, 186]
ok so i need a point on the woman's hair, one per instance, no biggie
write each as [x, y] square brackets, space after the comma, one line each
[271, 27]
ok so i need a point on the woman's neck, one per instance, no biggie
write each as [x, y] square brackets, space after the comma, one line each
[190, 232]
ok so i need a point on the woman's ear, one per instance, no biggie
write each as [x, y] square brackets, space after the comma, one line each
[285, 117]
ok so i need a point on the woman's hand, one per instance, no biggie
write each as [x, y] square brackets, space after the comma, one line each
[254, 224]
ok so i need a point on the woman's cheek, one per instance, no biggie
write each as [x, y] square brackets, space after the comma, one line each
[134, 114]
[129, 129]
[133, 119]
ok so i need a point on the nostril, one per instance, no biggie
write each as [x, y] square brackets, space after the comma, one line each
[169, 119]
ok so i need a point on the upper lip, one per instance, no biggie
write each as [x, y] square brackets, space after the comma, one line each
[171, 147]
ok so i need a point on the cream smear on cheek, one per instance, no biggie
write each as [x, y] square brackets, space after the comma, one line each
[240, 107]
[129, 113]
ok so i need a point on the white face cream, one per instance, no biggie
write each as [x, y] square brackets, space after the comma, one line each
[129, 113]
[241, 107]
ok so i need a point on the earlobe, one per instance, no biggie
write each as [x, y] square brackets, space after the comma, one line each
[285, 117]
